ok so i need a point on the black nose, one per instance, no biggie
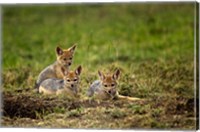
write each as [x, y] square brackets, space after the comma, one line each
[69, 63]
[109, 91]
[72, 85]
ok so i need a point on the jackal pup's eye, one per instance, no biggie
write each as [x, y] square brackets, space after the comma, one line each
[75, 80]
[68, 80]
[105, 85]
[70, 58]
[113, 85]
[65, 59]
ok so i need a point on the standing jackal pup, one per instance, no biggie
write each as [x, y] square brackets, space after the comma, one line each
[64, 60]
[106, 87]
[68, 85]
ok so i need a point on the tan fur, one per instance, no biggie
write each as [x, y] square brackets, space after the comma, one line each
[102, 96]
[57, 92]
[45, 91]
[57, 68]
[66, 91]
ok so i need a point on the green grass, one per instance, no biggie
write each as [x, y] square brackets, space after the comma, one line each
[152, 44]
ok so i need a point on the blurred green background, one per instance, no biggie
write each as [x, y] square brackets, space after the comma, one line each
[105, 33]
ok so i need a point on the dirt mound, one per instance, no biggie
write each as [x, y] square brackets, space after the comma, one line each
[20, 105]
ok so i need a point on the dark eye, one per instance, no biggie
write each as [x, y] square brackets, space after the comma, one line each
[113, 85]
[65, 59]
[68, 80]
[75, 80]
[105, 85]
[70, 58]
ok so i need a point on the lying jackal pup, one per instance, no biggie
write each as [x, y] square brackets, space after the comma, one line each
[68, 85]
[64, 60]
[106, 88]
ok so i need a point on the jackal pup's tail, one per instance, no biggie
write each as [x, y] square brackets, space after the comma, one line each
[121, 97]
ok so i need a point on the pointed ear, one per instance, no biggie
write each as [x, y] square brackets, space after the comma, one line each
[72, 49]
[64, 72]
[101, 75]
[116, 74]
[59, 51]
[78, 70]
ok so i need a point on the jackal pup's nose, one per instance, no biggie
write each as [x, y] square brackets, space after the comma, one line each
[72, 85]
[109, 91]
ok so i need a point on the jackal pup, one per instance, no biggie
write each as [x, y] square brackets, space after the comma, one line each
[69, 85]
[106, 88]
[64, 60]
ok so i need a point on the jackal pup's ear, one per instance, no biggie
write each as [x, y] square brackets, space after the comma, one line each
[116, 74]
[64, 72]
[78, 70]
[72, 49]
[59, 51]
[101, 75]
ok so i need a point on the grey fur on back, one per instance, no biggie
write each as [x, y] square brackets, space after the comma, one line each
[94, 87]
[53, 84]
[45, 75]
